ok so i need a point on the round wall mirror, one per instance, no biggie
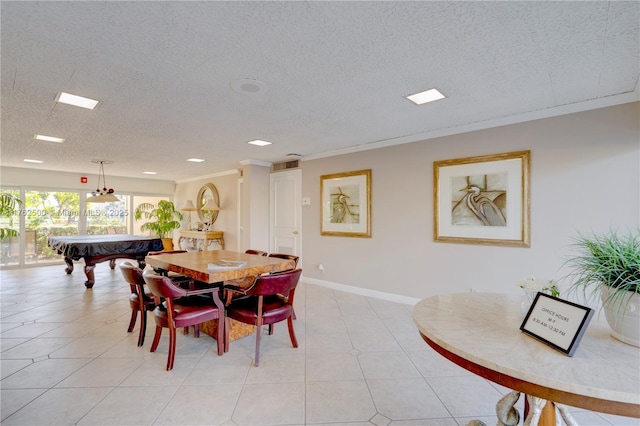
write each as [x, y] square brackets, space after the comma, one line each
[207, 192]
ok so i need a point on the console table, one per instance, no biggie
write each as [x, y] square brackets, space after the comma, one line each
[480, 332]
[206, 236]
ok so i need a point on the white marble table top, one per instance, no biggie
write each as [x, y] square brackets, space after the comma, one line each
[485, 329]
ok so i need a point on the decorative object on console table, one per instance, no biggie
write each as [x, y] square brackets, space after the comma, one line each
[206, 193]
[607, 267]
[210, 206]
[482, 200]
[188, 207]
[165, 219]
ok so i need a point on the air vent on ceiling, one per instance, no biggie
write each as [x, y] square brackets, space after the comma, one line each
[285, 165]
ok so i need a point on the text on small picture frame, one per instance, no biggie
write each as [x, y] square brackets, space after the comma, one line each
[483, 200]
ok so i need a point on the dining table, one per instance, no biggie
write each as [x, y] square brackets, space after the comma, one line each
[481, 333]
[218, 266]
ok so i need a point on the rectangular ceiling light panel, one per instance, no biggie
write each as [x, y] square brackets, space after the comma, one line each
[69, 99]
[426, 96]
[48, 138]
[259, 142]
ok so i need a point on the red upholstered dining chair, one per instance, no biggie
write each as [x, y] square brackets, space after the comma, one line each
[139, 300]
[268, 301]
[182, 308]
[286, 256]
[242, 282]
[295, 265]
[163, 271]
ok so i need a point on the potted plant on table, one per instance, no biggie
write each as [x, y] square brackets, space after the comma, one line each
[608, 266]
[165, 218]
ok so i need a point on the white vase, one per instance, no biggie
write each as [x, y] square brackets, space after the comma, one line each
[625, 325]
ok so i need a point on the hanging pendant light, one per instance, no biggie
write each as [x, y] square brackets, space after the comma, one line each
[103, 195]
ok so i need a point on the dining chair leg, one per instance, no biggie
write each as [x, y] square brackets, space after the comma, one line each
[143, 328]
[292, 334]
[221, 336]
[227, 328]
[258, 333]
[132, 322]
[156, 339]
[172, 348]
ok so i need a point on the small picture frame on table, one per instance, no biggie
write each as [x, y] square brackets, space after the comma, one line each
[556, 322]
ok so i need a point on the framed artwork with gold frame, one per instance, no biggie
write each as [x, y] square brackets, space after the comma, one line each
[346, 204]
[483, 200]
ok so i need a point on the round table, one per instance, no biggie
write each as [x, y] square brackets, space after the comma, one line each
[481, 332]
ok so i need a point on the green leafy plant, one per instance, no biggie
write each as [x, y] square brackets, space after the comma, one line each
[606, 261]
[8, 204]
[165, 217]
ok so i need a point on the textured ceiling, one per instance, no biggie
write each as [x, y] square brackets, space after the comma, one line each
[336, 72]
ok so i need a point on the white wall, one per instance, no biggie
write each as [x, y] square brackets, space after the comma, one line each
[585, 175]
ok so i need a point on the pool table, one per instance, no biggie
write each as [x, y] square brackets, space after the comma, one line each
[100, 248]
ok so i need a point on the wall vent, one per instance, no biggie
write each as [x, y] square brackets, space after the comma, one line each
[285, 165]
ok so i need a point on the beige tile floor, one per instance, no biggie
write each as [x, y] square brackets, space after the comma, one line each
[66, 359]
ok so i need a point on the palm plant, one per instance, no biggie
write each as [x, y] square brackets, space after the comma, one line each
[165, 217]
[8, 205]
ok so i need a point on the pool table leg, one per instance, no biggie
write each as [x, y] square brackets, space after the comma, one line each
[69, 262]
[88, 271]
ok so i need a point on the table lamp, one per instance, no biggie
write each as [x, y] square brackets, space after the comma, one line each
[188, 207]
[210, 206]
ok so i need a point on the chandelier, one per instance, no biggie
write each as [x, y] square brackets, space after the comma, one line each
[103, 195]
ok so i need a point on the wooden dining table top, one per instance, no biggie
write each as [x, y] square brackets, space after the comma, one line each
[196, 264]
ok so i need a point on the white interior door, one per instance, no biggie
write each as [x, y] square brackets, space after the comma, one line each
[286, 213]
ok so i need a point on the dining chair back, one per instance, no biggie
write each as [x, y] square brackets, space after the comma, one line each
[286, 256]
[181, 308]
[138, 300]
[240, 282]
[268, 301]
[295, 265]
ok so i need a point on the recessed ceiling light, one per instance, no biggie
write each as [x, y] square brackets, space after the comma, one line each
[150, 173]
[26, 160]
[249, 87]
[195, 160]
[48, 138]
[426, 96]
[259, 142]
[67, 98]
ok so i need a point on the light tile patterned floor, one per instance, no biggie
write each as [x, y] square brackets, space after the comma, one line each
[67, 359]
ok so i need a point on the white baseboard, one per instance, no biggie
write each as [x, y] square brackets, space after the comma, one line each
[362, 291]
